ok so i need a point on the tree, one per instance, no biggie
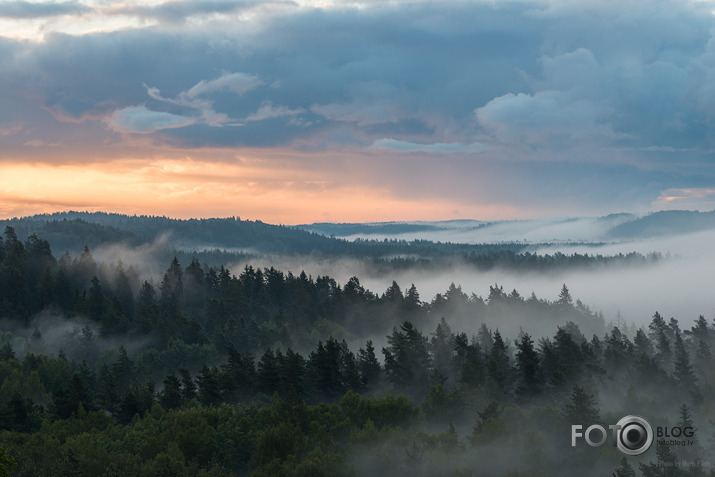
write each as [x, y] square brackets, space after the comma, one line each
[660, 333]
[368, 366]
[123, 369]
[147, 308]
[209, 394]
[170, 397]
[581, 408]
[108, 394]
[67, 399]
[568, 358]
[490, 426]
[529, 367]
[7, 464]
[326, 378]
[393, 294]
[499, 365]
[7, 351]
[683, 370]
[666, 466]
[407, 360]
[625, 469]
[96, 301]
[442, 348]
[412, 299]
[188, 389]
[565, 299]
[267, 377]
[469, 360]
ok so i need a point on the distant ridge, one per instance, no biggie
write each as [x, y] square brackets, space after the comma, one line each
[664, 223]
[72, 230]
[612, 227]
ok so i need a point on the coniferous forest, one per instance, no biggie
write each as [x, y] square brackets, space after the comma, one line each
[206, 370]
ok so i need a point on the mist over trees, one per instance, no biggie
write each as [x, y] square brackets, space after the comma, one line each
[207, 371]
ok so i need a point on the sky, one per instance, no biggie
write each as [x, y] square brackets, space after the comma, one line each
[330, 111]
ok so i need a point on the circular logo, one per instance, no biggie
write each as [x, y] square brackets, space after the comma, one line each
[634, 436]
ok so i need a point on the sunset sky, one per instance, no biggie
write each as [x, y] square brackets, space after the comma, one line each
[309, 111]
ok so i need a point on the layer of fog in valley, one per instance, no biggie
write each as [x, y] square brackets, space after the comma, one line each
[677, 285]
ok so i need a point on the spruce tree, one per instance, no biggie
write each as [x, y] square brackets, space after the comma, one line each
[581, 408]
[499, 365]
[529, 368]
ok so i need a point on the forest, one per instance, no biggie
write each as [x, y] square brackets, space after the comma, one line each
[203, 370]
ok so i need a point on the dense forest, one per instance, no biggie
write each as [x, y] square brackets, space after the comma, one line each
[216, 242]
[206, 371]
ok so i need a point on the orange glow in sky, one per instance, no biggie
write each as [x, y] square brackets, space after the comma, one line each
[187, 188]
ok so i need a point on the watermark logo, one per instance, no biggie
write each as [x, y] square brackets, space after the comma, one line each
[633, 435]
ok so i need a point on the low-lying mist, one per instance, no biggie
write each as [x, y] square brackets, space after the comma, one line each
[677, 286]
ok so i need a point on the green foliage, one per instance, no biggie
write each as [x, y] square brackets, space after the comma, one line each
[7, 464]
[169, 378]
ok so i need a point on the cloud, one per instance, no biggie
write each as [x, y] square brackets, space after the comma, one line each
[237, 83]
[697, 198]
[545, 116]
[139, 119]
[439, 147]
[268, 111]
[25, 10]
[530, 105]
[362, 114]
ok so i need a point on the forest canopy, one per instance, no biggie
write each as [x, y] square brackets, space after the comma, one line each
[203, 371]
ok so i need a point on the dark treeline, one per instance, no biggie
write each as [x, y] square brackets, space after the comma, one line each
[268, 373]
[219, 241]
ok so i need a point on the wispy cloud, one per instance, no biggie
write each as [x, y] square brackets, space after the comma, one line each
[139, 119]
[439, 147]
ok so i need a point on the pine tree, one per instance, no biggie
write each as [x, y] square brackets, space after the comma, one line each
[267, 377]
[7, 351]
[625, 469]
[642, 343]
[170, 397]
[442, 348]
[498, 364]
[412, 299]
[407, 360]
[469, 360]
[660, 334]
[209, 394]
[147, 308]
[188, 386]
[123, 369]
[108, 394]
[368, 366]
[96, 301]
[683, 370]
[664, 467]
[565, 299]
[581, 408]
[527, 363]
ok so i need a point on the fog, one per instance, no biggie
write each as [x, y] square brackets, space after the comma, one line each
[678, 285]
[582, 229]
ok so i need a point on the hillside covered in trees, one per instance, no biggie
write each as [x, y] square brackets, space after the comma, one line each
[208, 371]
[219, 241]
